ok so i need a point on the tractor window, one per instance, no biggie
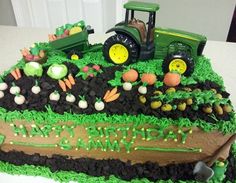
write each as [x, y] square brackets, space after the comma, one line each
[144, 22]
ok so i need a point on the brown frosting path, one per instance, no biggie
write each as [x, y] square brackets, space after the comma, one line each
[209, 143]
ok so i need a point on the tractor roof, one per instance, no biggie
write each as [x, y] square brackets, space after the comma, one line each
[141, 6]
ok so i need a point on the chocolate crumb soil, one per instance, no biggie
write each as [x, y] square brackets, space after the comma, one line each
[123, 170]
[95, 87]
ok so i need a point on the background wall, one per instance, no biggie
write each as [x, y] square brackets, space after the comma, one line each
[209, 17]
[6, 13]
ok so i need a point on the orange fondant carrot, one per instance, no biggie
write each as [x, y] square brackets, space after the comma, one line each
[18, 73]
[71, 79]
[68, 84]
[113, 97]
[113, 91]
[14, 74]
[62, 85]
[50, 37]
[54, 37]
[25, 52]
[106, 94]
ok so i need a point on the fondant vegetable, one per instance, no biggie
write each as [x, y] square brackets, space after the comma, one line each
[36, 89]
[156, 104]
[54, 96]
[1, 94]
[68, 84]
[148, 78]
[75, 30]
[25, 52]
[57, 71]
[157, 92]
[70, 98]
[71, 79]
[172, 79]
[227, 108]
[14, 89]
[3, 86]
[83, 104]
[29, 57]
[189, 101]
[127, 86]
[62, 85]
[142, 99]
[207, 109]
[218, 109]
[181, 106]
[16, 73]
[33, 69]
[170, 90]
[166, 107]
[219, 96]
[96, 67]
[111, 95]
[19, 99]
[130, 76]
[142, 90]
[85, 68]
[99, 105]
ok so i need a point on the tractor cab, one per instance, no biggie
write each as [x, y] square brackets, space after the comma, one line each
[146, 33]
[134, 38]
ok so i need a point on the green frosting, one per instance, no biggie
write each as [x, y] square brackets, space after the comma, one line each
[2, 138]
[199, 97]
[57, 71]
[33, 69]
[67, 176]
[190, 150]
[50, 117]
[33, 144]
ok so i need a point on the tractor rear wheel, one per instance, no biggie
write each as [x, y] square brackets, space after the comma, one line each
[120, 49]
[179, 62]
[74, 55]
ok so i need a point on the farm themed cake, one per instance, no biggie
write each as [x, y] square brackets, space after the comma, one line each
[145, 106]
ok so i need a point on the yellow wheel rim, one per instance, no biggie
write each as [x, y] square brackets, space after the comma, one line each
[118, 53]
[178, 65]
[74, 57]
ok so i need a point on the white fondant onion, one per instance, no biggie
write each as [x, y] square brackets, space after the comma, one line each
[1, 94]
[14, 90]
[142, 89]
[70, 98]
[127, 86]
[54, 96]
[3, 86]
[36, 89]
[19, 99]
[83, 104]
[99, 105]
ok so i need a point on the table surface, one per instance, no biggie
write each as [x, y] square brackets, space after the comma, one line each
[12, 39]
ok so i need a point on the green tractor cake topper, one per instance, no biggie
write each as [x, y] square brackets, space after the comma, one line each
[134, 40]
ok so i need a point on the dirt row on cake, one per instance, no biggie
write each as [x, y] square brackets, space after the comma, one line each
[122, 170]
[96, 87]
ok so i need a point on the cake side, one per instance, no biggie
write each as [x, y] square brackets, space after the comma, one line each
[145, 104]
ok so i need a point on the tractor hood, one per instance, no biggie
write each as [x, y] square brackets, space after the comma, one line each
[181, 34]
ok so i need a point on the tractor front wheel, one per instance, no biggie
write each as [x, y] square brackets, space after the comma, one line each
[179, 62]
[120, 49]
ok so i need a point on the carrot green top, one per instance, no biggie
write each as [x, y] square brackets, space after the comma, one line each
[141, 6]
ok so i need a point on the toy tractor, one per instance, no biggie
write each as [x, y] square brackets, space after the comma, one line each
[135, 40]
